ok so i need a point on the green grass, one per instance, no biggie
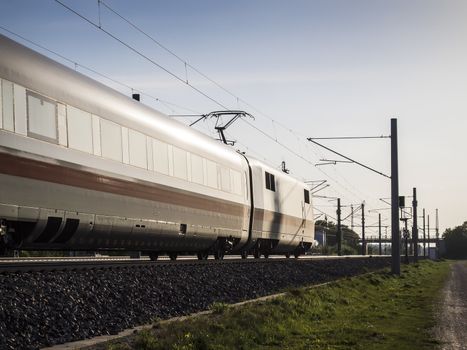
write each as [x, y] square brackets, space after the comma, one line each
[375, 311]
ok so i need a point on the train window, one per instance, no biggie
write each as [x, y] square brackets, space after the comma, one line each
[62, 133]
[8, 121]
[211, 168]
[111, 140]
[236, 181]
[161, 156]
[150, 156]
[19, 98]
[270, 182]
[137, 148]
[197, 170]
[42, 117]
[96, 134]
[307, 196]
[179, 162]
[79, 129]
[225, 179]
[125, 151]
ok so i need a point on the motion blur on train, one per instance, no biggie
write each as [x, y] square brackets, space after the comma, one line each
[84, 167]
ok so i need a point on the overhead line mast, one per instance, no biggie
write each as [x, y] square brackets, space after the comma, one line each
[395, 247]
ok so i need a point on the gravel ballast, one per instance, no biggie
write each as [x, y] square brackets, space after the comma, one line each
[39, 309]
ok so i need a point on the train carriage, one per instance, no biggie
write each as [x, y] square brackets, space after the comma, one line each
[83, 167]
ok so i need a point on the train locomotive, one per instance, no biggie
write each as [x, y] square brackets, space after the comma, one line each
[84, 167]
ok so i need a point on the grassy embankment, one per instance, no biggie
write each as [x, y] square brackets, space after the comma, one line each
[376, 311]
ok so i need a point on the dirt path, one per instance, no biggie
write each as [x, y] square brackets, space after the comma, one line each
[452, 329]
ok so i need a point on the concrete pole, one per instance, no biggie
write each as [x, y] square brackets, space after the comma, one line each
[424, 234]
[339, 228]
[428, 229]
[379, 233]
[363, 230]
[415, 227]
[395, 234]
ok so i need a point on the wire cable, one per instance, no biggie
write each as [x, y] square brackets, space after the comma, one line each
[76, 64]
[186, 64]
[139, 53]
[186, 82]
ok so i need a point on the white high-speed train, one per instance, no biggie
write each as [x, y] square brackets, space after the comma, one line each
[83, 167]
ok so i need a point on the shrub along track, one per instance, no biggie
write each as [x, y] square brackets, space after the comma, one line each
[40, 309]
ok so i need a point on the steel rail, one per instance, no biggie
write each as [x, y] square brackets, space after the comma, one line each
[75, 265]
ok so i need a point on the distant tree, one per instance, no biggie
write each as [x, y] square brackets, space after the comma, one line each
[349, 250]
[456, 242]
[350, 238]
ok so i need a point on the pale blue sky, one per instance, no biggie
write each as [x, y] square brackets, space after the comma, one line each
[323, 68]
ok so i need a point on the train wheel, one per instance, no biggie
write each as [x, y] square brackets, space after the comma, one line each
[257, 254]
[3, 248]
[173, 256]
[202, 256]
[266, 255]
[244, 254]
[153, 256]
[287, 255]
[219, 254]
[296, 255]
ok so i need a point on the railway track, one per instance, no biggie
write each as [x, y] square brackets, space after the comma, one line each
[83, 298]
[43, 264]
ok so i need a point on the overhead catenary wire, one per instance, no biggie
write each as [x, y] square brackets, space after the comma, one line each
[350, 159]
[77, 64]
[165, 48]
[184, 81]
[327, 215]
[106, 77]
[166, 103]
[187, 64]
[139, 53]
[294, 153]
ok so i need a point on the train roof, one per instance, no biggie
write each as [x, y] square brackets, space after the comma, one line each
[41, 74]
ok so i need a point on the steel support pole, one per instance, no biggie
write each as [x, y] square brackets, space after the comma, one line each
[406, 236]
[415, 227]
[424, 234]
[363, 230]
[395, 236]
[437, 235]
[428, 229]
[339, 228]
[379, 233]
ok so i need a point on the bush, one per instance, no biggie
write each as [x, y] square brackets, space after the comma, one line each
[456, 242]
[332, 250]
[348, 250]
[218, 307]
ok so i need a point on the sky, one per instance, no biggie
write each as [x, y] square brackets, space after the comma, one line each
[302, 69]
